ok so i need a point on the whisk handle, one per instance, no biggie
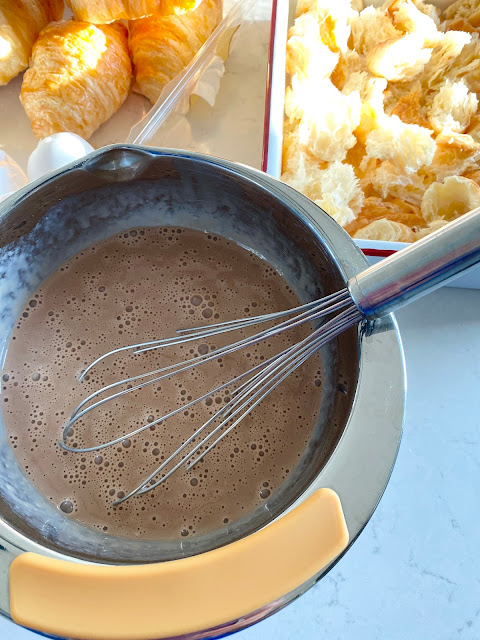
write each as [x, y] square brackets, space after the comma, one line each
[419, 269]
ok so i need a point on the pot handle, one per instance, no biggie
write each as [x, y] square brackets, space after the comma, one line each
[164, 600]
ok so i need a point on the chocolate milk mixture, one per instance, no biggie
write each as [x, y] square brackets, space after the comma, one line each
[137, 286]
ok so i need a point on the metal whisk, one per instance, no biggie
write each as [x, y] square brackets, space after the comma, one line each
[399, 279]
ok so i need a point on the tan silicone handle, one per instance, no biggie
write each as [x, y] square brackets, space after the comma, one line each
[146, 602]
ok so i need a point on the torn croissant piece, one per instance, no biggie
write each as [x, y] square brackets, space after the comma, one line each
[307, 54]
[391, 114]
[80, 75]
[371, 27]
[349, 62]
[332, 18]
[327, 132]
[461, 65]
[443, 58]
[409, 19]
[326, 117]
[105, 11]
[451, 199]
[408, 106]
[374, 208]
[399, 59]
[162, 46]
[453, 107]
[408, 146]
[362, 165]
[302, 171]
[371, 92]
[365, 172]
[474, 175]
[467, 9]
[435, 225]
[455, 154]
[390, 182]
[386, 230]
[20, 23]
[474, 128]
[429, 10]
[355, 155]
[342, 197]
[459, 24]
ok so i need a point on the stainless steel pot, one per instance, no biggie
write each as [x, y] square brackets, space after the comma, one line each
[63, 579]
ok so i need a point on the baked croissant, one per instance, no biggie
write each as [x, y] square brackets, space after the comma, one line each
[162, 46]
[80, 75]
[20, 23]
[104, 11]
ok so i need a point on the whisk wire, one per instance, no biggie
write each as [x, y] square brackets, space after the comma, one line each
[167, 341]
[281, 367]
[136, 432]
[266, 389]
[228, 408]
[317, 344]
[314, 311]
[302, 318]
[255, 384]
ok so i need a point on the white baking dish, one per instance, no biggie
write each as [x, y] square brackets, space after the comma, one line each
[283, 12]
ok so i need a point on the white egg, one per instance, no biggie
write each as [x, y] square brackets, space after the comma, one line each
[55, 152]
[11, 176]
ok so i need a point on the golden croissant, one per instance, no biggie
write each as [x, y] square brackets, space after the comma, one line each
[79, 76]
[20, 23]
[104, 11]
[162, 46]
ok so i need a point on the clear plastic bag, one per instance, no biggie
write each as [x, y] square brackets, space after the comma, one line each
[184, 116]
[190, 115]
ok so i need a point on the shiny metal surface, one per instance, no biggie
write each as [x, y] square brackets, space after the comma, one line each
[419, 269]
[355, 450]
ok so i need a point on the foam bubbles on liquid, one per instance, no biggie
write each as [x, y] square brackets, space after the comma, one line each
[142, 285]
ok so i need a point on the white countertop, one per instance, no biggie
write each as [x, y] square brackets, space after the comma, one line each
[414, 573]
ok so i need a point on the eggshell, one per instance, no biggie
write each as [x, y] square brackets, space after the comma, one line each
[56, 151]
